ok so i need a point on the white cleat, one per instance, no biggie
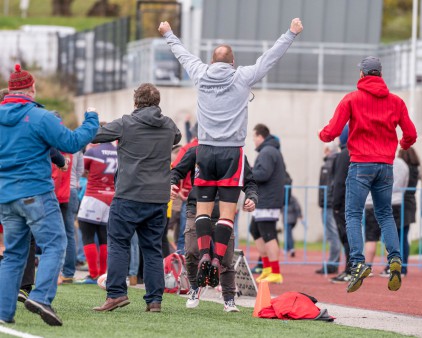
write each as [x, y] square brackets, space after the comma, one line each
[193, 300]
[230, 306]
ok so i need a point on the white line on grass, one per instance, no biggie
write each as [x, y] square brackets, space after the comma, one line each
[17, 333]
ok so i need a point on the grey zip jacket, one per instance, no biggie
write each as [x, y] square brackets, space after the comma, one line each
[146, 138]
[223, 91]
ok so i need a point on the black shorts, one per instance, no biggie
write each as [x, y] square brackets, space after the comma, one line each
[219, 166]
[225, 194]
[372, 229]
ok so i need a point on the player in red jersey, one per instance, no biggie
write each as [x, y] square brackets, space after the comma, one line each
[101, 164]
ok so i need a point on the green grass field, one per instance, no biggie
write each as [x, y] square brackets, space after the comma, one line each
[74, 303]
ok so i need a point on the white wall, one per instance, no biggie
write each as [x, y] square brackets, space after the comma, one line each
[294, 116]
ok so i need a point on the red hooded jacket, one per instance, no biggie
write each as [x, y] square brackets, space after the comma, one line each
[62, 181]
[373, 114]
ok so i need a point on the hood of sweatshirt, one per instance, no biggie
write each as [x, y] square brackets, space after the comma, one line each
[270, 141]
[14, 108]
[150, 116]
[218, 78]
[374, 85]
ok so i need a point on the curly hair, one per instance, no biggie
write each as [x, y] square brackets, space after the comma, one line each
[146, 95]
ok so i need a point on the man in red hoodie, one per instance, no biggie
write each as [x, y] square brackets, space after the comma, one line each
[373, 114]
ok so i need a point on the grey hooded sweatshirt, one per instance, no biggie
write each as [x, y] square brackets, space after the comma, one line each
[146, 138]
[223, 91]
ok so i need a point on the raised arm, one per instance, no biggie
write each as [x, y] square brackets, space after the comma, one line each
[266, 61]
[191, 63]
[110, 132]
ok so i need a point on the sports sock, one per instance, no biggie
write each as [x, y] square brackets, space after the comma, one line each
[103, 259]
[275, 266]
[223, 231]
[203, 233]
[91, 255]
[265, 262]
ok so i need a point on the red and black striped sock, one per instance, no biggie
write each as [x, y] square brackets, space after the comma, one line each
[203, 233]
[222, 233]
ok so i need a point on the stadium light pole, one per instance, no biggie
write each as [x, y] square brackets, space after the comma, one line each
[412, 68]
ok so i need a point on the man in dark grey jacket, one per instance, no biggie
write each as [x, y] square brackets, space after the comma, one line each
[142, 189]
[269, 172]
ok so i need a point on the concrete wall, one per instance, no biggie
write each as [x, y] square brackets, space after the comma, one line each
[294, 116]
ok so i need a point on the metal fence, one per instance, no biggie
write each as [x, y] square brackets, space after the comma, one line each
[95, 60]
[321, 260]
[306, 65]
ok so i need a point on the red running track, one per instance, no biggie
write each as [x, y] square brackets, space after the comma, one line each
[373, 294]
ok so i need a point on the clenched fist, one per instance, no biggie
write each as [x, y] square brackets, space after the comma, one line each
[164, 27]
[296, 26]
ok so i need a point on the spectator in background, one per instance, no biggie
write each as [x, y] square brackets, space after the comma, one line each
[294, 213]
[142, 183]
[372, 111]
[269, 173]
[27, 200]
[185, 188]
[326, 177]
[340, 169]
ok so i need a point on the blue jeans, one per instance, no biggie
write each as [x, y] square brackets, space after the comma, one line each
[40, 215]
[69, 265]
[376, 178]
[134, 255]
[148, 220]
[181, 239]
[406, 248]
[333, 237]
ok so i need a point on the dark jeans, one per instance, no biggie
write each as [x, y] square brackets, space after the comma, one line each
[28, 278]
[228, 274]
[342, 233]
[148, 220]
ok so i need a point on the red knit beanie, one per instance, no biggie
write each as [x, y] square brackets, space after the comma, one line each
[20, 79]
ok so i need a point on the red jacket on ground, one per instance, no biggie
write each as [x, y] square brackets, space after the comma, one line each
[373, 114]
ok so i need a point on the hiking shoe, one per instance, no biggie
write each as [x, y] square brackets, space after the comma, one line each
[87, 280]
[358, 273]
[344, 277]
[276, 278]
[22, 296]
[203, 270]
[193, 300]
[394, 282]
[214, 273]
[65, 280]
[265, 273]
[46, 312]
[230, 306]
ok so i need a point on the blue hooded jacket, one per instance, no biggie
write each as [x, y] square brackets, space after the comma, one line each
[27, 132]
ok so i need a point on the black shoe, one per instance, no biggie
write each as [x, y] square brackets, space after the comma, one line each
[46, 312]
[7, 321]
[203, 270]
[344, 277]
[23, 296]
[330, 269]
[359, 272]
[214, 277]
[394, 283]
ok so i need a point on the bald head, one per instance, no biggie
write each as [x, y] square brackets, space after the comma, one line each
[223, 53]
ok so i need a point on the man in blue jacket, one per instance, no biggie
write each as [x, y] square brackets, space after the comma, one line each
[27, 200]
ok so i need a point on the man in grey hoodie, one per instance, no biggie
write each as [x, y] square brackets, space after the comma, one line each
[222, 113]
[142, 185]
